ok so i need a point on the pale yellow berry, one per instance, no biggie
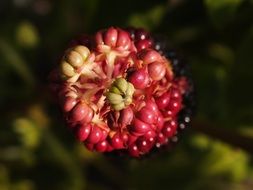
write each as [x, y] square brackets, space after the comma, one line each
[67, 69]
[74, 59]
[83, 51]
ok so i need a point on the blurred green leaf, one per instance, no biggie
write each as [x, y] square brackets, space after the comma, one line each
[15, 60]
[27, 35]
[149, 19]
[222, 12]
[28, 133]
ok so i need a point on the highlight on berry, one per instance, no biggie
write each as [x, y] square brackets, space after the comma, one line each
[123, 91]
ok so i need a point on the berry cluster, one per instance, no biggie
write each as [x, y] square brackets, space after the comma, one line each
[123, 91]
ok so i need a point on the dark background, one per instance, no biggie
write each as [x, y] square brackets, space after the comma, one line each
[38, 152]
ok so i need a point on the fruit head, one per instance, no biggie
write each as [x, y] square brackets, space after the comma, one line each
[123, 91]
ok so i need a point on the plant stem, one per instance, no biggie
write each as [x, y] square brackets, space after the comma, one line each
[231, 137]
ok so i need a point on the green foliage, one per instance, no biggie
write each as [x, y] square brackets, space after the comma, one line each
[37, 152]
[222, 12]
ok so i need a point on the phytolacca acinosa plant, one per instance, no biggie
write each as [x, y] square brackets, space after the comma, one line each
[123, 91]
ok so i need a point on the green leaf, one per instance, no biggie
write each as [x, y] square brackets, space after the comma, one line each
[27, 35]
[149, 19]
[221, 12]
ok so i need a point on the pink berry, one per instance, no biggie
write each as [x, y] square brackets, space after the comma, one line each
[83, 132]
[69, 104]
[139, 78]
[95, 135]
[123, 40]
[104, 135]
[156, 70]
[79, 112]
[110, 37]
[149, 56]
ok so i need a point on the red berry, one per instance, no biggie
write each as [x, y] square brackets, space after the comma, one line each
[79, 112]
[101, 146]
[126, 116]
[175, 93]
[110, 37]
[95, 135]
[147, 115]
[174, 106]
[160, 122]
[69, 103]
[133, 151]
[150, 136]
[83, 132]
[139, 78]
[131, 139]
[143, 44]
[139, 127]
[104, 134]
[144, 145]
[161, 139]
[117, 141]
[141, 34]
[89, 146]
[123, 40]
[163, 101]
[150, 104]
